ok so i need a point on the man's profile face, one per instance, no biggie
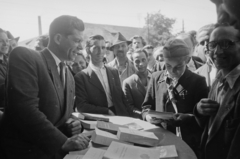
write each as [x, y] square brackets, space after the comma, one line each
[175, 66]
[202, 39]
[227, 58]
[137, 43]
[4, 43]
[140, 62]
[13, 43]
[120, 50]
[97, 51]
[150, 53]
[228, 12]
[70, 43]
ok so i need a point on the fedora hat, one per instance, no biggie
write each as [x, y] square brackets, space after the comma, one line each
[10, 36]
[118, 39]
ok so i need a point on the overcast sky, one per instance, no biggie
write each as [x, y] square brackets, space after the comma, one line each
[20, 16]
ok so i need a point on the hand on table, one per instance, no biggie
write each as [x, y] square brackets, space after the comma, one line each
[110, 112]
[77, 142]
[207, 107]
[73, 127]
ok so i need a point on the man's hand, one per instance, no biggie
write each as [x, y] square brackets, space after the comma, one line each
[73, 127]
[207, 107]
[110, 112]
[77, 142]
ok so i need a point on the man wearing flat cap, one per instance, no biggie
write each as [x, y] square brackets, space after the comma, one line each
[176, 90]
[121, 63]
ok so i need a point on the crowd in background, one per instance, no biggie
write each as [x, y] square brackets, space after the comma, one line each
[195, 75]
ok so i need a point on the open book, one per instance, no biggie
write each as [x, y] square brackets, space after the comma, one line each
[161, 115]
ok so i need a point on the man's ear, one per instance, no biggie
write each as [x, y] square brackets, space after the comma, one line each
[58, 39]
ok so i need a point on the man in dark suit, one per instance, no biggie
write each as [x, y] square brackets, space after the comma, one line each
[40, 95]
[134, 87]
[98, 87]
[219, 113]
[176, 86]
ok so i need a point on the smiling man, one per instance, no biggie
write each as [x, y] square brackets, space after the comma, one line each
[219, 113]
[40, 97]
[135, 86]
[98, 87]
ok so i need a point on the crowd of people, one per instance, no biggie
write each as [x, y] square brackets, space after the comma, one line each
[195, 75]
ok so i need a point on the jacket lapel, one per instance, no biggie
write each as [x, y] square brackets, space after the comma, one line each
[110, 81]
[93, 79]
[53, 72]
[228, 103]
[139, 85]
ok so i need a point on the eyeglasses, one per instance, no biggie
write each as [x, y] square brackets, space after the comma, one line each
[108, 48]
[148, 47]
[223, 44]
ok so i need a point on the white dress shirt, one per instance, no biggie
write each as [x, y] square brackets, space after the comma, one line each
[103, 78]
[191, 65]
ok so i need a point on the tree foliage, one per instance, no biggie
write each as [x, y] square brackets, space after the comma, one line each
[157, 29]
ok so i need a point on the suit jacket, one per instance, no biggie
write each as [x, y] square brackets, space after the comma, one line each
[90, 94]
[195, 88]
[37, 107]
[134, 92]
[222, 141]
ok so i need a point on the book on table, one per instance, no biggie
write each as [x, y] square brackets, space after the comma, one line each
[94, 153]
[125, 151]
[137, 137]
[88, 124]
[109, 127]
[88, 116]
[103, 137]
[161, 115]
[168, 152]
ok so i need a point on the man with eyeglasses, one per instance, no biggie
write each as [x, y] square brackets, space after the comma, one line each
[219, 113]
[98, 87]
[109, 56]
[4, 49]
[208, 70]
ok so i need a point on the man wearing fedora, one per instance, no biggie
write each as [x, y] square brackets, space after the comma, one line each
[98, 87]
[121, 63]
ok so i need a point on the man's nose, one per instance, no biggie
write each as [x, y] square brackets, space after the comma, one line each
[218, 50]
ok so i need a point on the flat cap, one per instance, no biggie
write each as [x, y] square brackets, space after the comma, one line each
[175, 48]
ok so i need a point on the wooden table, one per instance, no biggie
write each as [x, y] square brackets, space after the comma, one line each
[165, 137]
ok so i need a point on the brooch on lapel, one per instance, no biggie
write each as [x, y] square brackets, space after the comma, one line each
[181, 91]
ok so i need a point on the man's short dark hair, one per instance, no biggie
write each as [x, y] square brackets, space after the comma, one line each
[138, 37]
[90, 41]
[65, 25]
[138, 51]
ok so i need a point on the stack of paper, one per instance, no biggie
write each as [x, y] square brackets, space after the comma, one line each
[138, 137]
[134, 126]
[125, 151]
[94, 153]
[103, 137]
[89, 124]
[87, 116]
[109, 127]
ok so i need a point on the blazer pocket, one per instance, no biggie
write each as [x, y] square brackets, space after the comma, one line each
[230, 129]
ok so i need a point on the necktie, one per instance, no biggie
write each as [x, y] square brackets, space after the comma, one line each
[62, 73]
